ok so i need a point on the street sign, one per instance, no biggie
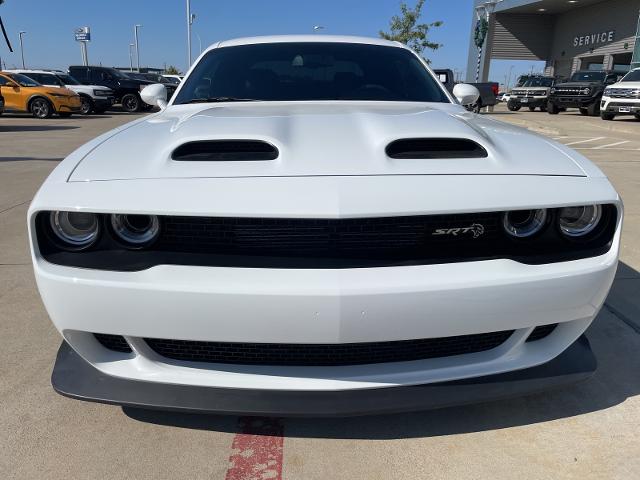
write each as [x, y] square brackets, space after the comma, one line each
[82, 34]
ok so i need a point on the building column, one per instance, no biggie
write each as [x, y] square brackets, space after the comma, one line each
[607, 62]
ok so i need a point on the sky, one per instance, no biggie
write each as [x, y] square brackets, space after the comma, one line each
[49, 26]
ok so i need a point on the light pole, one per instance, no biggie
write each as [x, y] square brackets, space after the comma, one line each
[135, 34]
[131, 45]
[199, 41]
[190, 18]
[21, 33]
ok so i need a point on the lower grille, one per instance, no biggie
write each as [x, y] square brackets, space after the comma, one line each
[117, 343]
[541, 332]
[326, 354]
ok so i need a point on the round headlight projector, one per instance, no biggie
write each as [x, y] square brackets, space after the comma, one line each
[524, 223]
[579, 221]
[76, 229]
[136, 230]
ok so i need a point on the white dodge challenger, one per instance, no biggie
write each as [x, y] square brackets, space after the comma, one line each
[314, 226]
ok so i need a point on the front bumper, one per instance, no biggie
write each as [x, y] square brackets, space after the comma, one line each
[620, 106]
[530, 101]
[103, 102]
[74, 377]
[573, 102]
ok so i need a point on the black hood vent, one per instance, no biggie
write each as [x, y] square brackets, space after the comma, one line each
[413, 148]
[225, 151]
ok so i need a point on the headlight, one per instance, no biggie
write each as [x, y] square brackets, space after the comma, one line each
[579, 221]
[136, 230]
[102, 93]
[524, 223]
[607, 92]
[553, 90]
[77, 230]
[585, 91]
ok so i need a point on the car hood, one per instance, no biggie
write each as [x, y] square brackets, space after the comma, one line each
[320, 139]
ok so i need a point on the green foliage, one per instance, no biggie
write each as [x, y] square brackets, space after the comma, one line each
[482, 27]
[171, 70]
[405, 28]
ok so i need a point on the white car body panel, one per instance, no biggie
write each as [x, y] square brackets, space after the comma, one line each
[332, 165]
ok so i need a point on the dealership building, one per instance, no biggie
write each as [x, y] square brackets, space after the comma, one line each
[568, 35]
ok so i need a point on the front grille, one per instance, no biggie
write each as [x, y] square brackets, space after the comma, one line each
[326, 354]
[623, 93]
[543, 331]
[353, 238]
[117, 343]
[571, 91]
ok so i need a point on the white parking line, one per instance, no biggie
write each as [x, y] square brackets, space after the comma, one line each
[585, 141]
[610, 145]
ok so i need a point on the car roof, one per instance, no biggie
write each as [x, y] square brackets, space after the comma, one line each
[28, 70]
[306, 39]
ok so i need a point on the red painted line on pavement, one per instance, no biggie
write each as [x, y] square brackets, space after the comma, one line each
[256, 451]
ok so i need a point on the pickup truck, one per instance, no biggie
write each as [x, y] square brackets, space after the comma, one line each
[488, 90]
[583, 91]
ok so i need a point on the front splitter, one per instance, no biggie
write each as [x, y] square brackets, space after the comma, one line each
[74, 377]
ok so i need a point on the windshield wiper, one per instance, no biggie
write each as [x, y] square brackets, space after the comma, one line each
[221, 99]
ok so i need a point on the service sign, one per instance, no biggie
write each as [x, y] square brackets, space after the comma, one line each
[594, 39]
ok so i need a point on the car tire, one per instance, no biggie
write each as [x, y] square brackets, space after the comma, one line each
[583, 111]
[87, 105]
[64, 114]
[40, 108]
[532, 109]
[637, 115]
[594, 110]
[607, 116]
[552, 109]
[131, 103]
[543, 108]
[513, 106]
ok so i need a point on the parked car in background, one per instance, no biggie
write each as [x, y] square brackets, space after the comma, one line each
[533, 94]
[583, 91]
[488, 90]
[313, 226]
[23, 94]
[622, 98]
[126, 89]
[94, 98]
[155, 78]
[175, 79]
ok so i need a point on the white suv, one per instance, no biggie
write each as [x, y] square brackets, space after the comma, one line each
[622, 98]
[95, 98]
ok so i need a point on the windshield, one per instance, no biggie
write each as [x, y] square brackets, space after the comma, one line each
[67, 79]
[538, 82]
[632, 76]
[135, 76]
[23, 80]
[588, 76]
[310, 71]
[173, 80]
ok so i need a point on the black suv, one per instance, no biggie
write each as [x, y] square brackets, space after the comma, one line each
[583, 91]
[127, 89]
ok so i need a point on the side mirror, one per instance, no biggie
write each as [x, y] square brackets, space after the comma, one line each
[155, 95]
[466, 94]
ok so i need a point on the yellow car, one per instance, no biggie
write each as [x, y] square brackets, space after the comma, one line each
[21, 94]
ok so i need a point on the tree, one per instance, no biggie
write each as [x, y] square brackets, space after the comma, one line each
[171, 70]
[405, 28]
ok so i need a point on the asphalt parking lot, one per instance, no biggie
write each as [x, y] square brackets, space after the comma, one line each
[588, 430]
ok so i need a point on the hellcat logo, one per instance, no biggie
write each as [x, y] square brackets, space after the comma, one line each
[476, 230]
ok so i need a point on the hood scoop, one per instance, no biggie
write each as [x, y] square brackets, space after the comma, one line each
[225, 151]
[434, 148]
